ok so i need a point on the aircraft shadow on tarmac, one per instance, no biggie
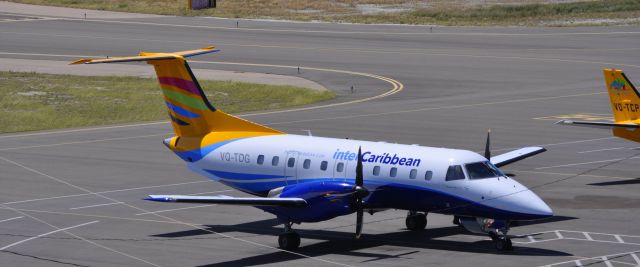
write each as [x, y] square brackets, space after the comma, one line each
[343, 243]
[619, 182]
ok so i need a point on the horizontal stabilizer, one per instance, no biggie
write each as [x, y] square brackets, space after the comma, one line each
[516, 155]
[147, 56]
[597, 124]
[227, 200]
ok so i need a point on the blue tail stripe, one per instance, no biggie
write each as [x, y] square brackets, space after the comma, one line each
[198, 154]
[181, 111]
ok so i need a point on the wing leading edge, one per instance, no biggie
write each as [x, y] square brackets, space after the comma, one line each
[516, 155]
[228, 200]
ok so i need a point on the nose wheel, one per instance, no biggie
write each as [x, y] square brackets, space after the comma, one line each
[501, 242]
[289, 240]
[416, 221]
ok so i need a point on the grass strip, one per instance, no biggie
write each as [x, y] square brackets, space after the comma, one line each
[432, 12]
[34, 101]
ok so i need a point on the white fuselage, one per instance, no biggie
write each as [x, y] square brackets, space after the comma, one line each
[399, 176]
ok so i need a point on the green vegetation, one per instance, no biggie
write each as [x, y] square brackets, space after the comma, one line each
[33, 101]
[441, 12]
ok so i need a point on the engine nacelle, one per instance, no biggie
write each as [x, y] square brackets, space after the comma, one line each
[326, 200]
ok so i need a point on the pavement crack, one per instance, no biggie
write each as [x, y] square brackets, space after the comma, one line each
[43, 259]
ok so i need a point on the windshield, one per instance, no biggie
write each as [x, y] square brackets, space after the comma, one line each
[482, 170]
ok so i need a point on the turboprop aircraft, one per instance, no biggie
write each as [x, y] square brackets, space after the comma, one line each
[304, 179]
[625, 103]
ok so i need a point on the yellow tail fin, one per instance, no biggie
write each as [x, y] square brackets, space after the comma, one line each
[625, 99]
[191, 113]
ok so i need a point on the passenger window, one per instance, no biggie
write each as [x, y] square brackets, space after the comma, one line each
[428, 175]
[376, 170]
[275, 161]
[413, 174]
[393, 172]
[291, 162]
[454, 173]
[323, 165]
[306, 164]
[260, 159]
[340, 167]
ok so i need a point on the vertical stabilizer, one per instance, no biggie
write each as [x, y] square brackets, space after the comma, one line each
[625, 100]
[190, 112]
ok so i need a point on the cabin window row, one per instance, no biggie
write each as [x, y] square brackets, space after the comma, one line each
[291, 162]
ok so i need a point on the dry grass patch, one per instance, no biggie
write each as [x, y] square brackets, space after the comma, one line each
[441, 12]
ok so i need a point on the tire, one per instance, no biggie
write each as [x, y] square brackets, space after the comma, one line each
[503, 244]
[500, 244]
[289, 241]
[416, 222]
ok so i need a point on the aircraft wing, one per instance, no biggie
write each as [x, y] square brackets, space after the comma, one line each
[228, 200]
[516, 155]
[597, 124]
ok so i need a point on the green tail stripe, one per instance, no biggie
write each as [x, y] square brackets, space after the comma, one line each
[185, 100]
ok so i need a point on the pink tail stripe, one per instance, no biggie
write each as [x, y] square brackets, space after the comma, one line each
[185, 85]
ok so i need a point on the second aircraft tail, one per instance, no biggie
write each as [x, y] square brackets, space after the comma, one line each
[625, 99]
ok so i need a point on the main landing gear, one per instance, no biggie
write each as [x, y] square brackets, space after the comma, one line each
[289, 240]
[416, 221]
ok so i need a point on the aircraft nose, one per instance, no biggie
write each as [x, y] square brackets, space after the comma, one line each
[531, 204]
[521, 204]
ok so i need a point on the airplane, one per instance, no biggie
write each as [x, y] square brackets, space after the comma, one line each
[304, 179]
[625, 103]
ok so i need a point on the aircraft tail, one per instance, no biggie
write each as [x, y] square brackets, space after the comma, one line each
[625, 99]
[625, 103]
[190, 112]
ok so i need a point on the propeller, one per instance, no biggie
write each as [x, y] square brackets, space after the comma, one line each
[359, 193]
[487, 147]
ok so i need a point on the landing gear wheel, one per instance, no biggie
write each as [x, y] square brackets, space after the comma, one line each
[503, 244]
[289, 241]
[416, 222]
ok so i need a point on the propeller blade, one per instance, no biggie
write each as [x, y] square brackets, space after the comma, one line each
[359, 175]
[487, 147]
[359, 215]
[359, 193]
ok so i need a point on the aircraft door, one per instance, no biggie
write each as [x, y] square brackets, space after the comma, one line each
[291, 166]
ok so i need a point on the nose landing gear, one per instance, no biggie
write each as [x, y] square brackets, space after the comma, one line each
[501, 241]
[497, 230]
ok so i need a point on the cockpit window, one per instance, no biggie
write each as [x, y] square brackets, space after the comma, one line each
[454, 173]
[482, 170]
